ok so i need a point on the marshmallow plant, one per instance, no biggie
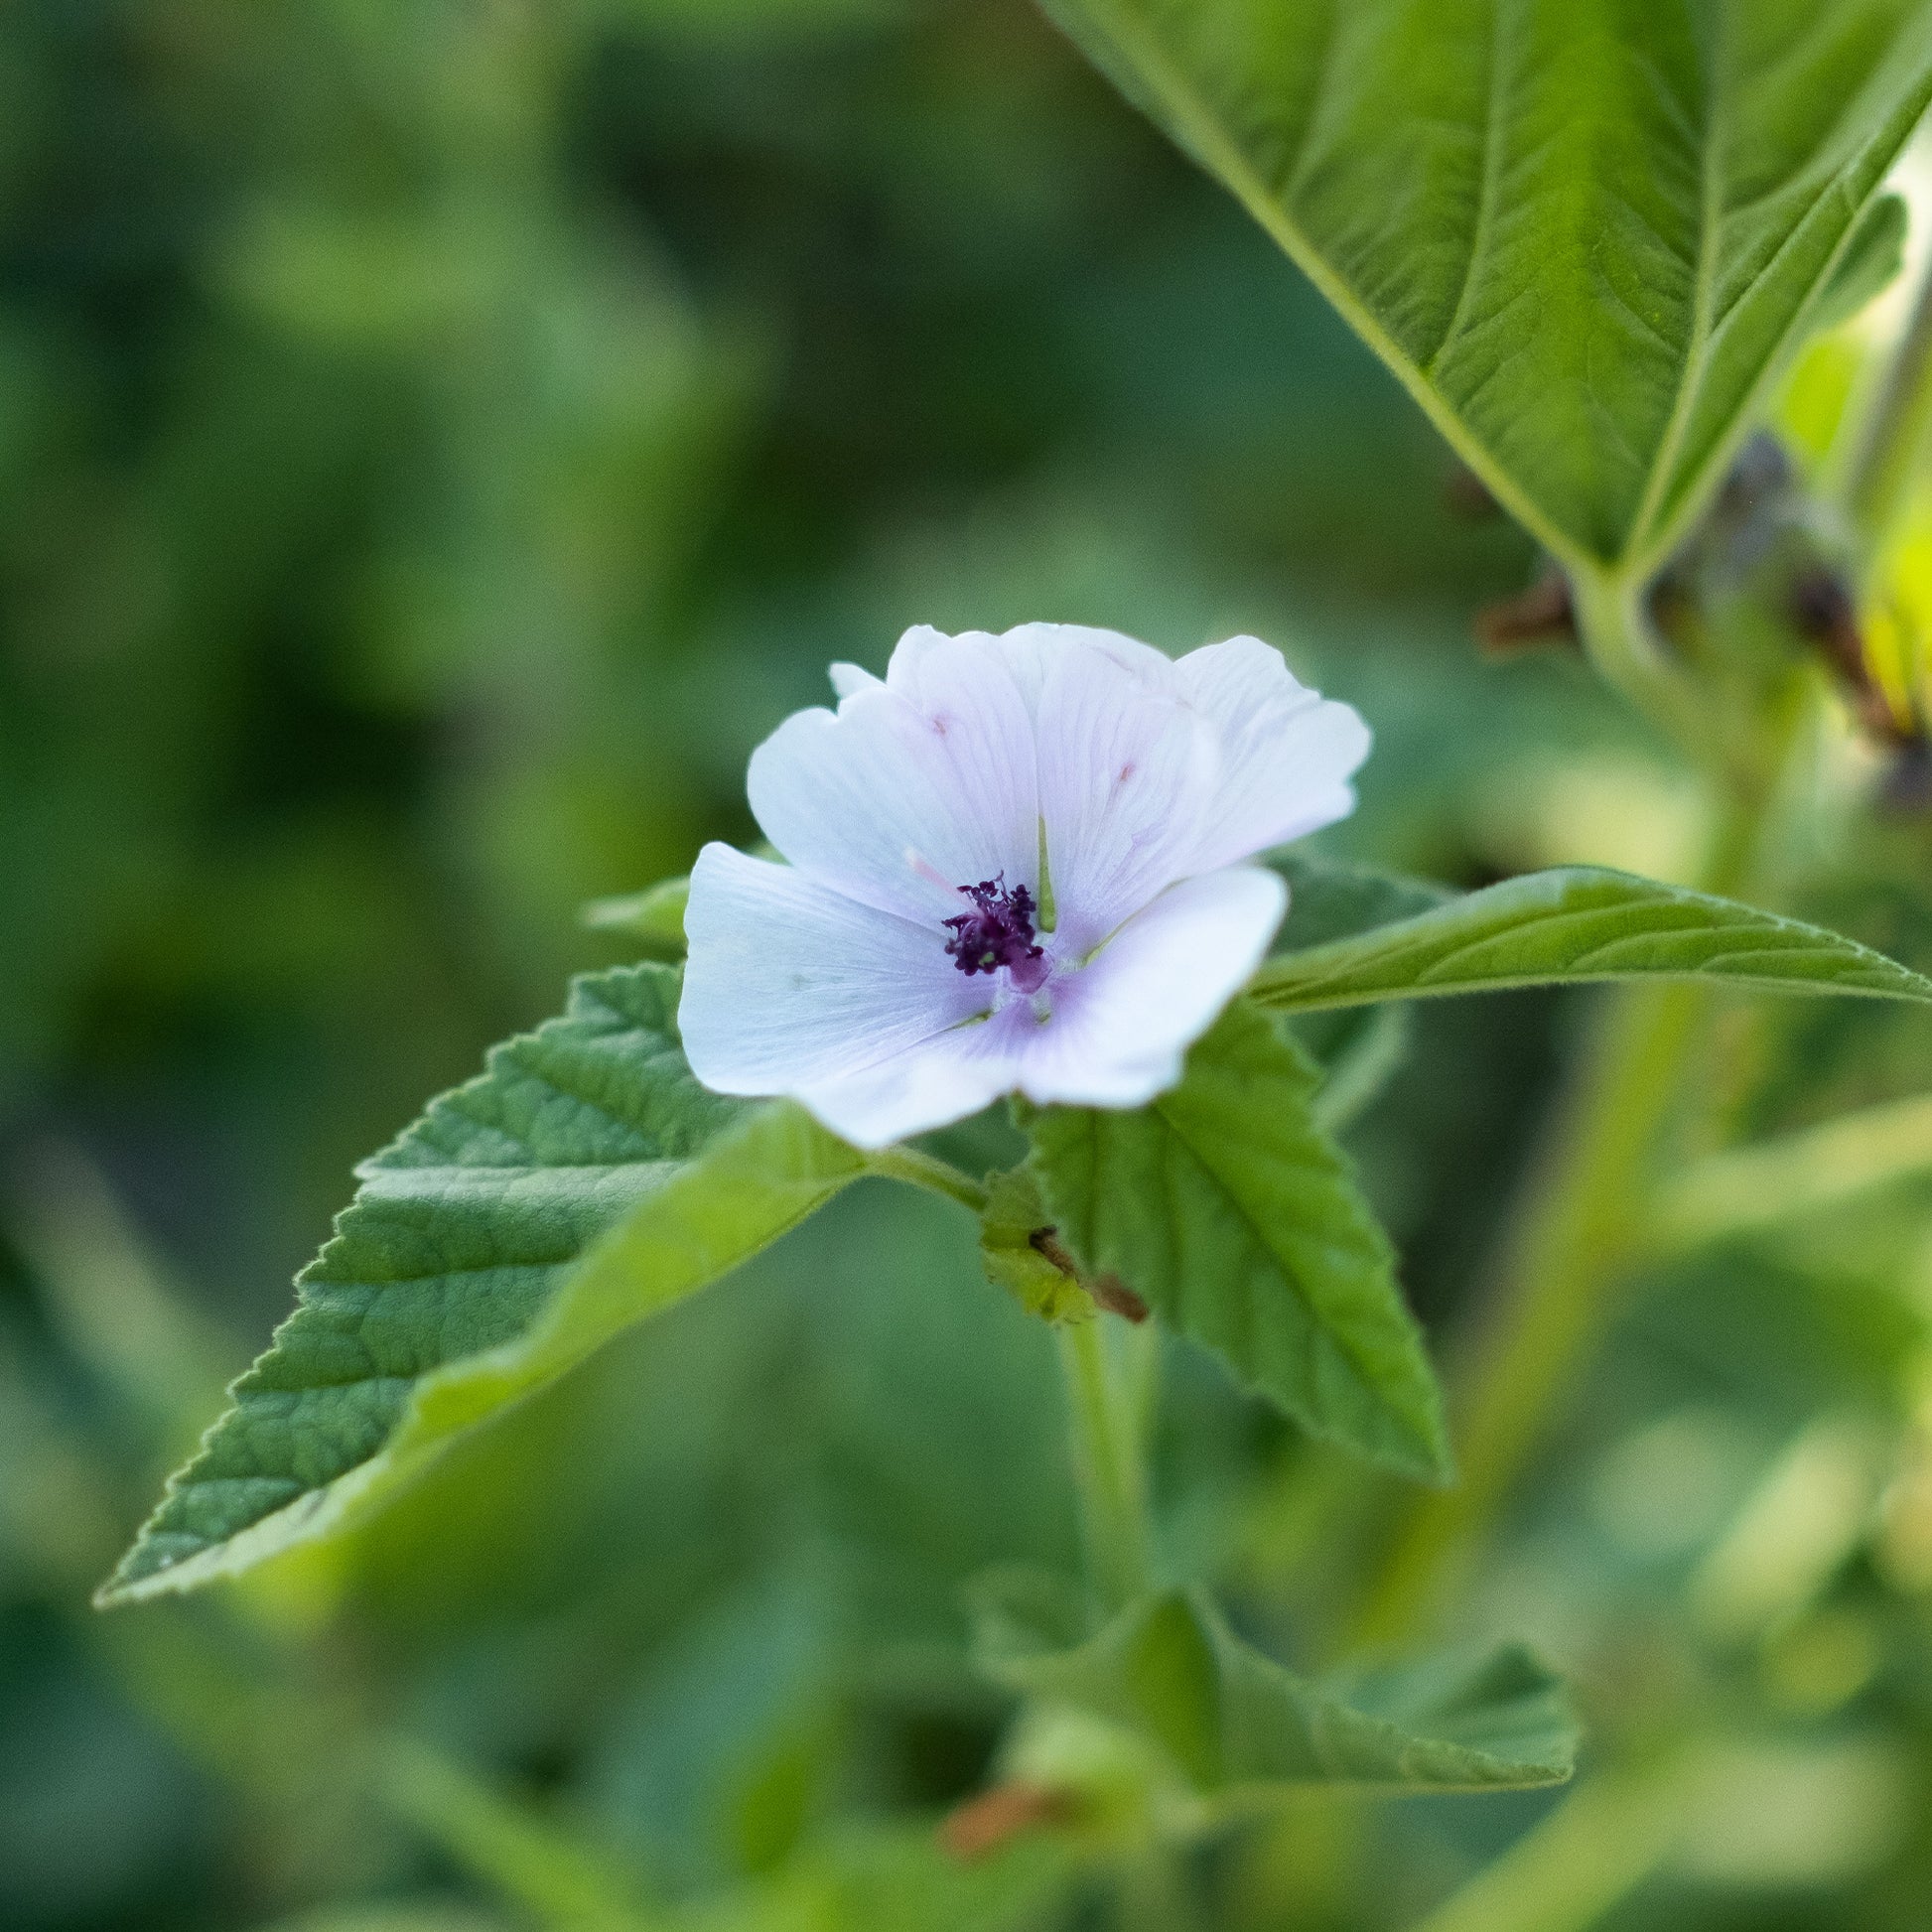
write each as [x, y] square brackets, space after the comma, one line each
[1054, 876]
[1054, 870]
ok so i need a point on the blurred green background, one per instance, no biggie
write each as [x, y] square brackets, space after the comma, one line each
[437, 442]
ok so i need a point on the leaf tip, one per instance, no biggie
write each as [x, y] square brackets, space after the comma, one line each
[134, 1579]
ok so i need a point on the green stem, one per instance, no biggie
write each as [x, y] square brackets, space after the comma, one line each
[1552, 1299]
[1110, 1393]
[1614, 625]
[1580, 1223]
[1155, 1894]
[1108, 1397]
[928, 1170]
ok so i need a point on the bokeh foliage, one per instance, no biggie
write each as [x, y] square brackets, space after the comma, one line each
[437, 441]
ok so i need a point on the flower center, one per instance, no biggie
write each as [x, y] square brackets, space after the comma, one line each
[997, 932]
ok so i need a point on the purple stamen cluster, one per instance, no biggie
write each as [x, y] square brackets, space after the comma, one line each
[999, 934]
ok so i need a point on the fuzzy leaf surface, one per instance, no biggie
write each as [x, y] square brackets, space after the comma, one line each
[1230, 1720]
[584, 1181]
[1585, 235]
[1579, 923]
[1230, 1211]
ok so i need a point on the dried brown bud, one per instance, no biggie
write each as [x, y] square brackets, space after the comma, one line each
[1109, 1290]
[1825, 617]
[983, 1825]
[1825, 614]
[1117, 1297]
[1540, 614]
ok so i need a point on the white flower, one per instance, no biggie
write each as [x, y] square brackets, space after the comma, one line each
[1014, 867]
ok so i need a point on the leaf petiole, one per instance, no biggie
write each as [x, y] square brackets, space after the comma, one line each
[919, 1168]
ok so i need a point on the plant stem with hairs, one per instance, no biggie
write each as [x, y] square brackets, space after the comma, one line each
[1577, 1230]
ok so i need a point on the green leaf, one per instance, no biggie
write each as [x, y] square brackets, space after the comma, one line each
[1585, 234]
[1360, 1050]
[655, 917]
[1580, 924]
[1237, 1219]
[1228, 1718]
[900, 1877]
[1014, 1216]
[1871, 263]
[1333, 898]
[585, 1180]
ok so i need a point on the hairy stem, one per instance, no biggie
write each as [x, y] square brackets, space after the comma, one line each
[1108, 1396]
[1553, 1297]
[1580, 1224]
[1109, 1385]
[1614, 622]
[1155, 1894]
[1580, 1229]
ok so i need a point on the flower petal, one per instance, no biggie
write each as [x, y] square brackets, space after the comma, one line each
[1287, 752]
[910, 789]
[789, 983]
[1126, 772]
[848, 678]
[1122, 1024]
[1026, 650]
[1031, 650]
[947, 1078]
[829, 980]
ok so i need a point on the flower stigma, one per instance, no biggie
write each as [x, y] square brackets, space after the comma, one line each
[997, 932]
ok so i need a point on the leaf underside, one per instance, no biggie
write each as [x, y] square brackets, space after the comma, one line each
[1360, 1048]
[1334, 899]
[583, 1181]
[1580, 924]
[1229, 1719]
[1585, 234]
[1230, 1211]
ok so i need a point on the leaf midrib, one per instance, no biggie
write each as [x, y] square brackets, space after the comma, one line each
[1203, 132]
[399, 1182]
[1663, 511]
[1279, 987]
[1696, 351]
[1486, 198]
